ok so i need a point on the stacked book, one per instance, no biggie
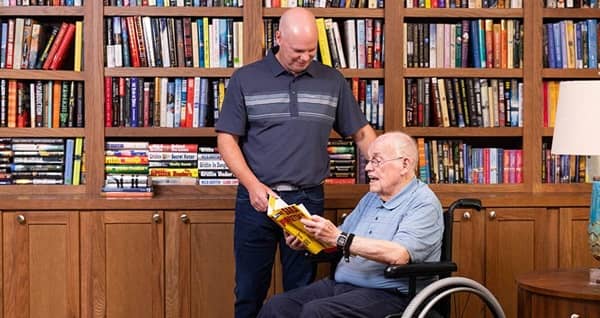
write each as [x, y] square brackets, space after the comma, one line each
[37, 160]
[5, 161]
[173, 164]
[342, 162]
[212, 169]
[126, 167]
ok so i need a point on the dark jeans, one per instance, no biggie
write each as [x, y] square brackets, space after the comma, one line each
[326, 298]
[256, 238]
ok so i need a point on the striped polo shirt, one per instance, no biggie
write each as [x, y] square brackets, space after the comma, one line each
[284, 121]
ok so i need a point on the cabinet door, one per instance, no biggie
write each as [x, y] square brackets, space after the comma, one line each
[574, 250]
[468, 254]
[518, 240]
[41, 264]
[122, 264]
[200, 267]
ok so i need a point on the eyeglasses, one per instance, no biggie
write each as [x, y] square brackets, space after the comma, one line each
[376, 163]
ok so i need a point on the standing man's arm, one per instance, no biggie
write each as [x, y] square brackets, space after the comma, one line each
[363, 138]
[237, 164]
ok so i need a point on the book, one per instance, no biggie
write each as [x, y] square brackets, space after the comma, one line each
[288, 217]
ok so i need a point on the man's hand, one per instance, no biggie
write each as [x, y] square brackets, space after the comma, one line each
[293, 242]
[259, 196]
[322, 229]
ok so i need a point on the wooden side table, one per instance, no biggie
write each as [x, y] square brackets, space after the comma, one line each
[565, 294]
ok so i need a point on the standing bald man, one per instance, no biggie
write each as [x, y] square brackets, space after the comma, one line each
[272, 133]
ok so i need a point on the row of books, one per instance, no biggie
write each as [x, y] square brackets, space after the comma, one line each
[371, 4]
[472, 4]
[68, 3]
[571, 3]
[563, 168]
[37, 103]
[165, 164]
[163, 101]
[27, 44]
[464, 102]
[143, 41]
[342, 162]
[350, 43]
[174, 3]
[479, 43]
[455, 161]
[41, 161]
[370, 95]
[126, 170]
[569, 44]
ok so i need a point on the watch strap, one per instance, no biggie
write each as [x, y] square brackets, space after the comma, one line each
[346, 249]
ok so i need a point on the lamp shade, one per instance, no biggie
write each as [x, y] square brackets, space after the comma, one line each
[577, 124]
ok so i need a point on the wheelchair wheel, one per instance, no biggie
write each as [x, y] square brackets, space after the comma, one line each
[424, 301]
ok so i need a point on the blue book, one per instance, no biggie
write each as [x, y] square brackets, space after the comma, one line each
[183, 101]
[125, 43]
[203, 110]
[592, 34]
[134, 111]
[223, 50]
[69, 152]
[200, 42]
[482, 40]
[563, 43]
[551, 47]
[170, 118]
[3, 41]
[557, 44]
[177, 102]
[475, 43]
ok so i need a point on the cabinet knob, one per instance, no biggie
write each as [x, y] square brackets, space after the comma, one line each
[467, 215]
[184, 218]
[156, 218]
[492, 215]
[575, 316]
[21, 219]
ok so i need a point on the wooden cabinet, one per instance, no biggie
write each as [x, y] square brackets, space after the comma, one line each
[573, 249]
[40, 264]
[495, 245]
[122, 264]
[199, 267]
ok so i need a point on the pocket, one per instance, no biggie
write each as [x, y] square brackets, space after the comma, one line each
[242, 194]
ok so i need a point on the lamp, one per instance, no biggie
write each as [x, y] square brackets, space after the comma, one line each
[577, 132]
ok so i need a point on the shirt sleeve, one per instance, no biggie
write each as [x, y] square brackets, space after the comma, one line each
[232, 116]
[349, 117]
[420, 232]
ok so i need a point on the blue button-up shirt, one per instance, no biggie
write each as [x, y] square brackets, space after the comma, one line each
[412, 218]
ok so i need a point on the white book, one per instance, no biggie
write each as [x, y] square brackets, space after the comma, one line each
[195, 56]
[267, 3]
[238, 44]
[152, 3]
[18, 44]
[361, 44]
[338, 43]
[117, 47]
[510, 35]
[196, 114]
[164, 43]
[149, 39]
[493, 99]
[433, 46]
[32, 96]
[440, 47]
[350, 41]
[180, 3]
[49, 101]
[485, 106]
[441, 85]
[214, 43]
[163, 101]
[374, 101]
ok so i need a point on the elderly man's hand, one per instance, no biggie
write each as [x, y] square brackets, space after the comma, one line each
[293, 242]
[322, 229]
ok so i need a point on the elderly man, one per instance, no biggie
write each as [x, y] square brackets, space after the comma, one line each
[397, 222]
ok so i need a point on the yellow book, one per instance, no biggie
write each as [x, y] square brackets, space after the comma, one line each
[288, 218]
[323, 44]
[78, 46]
[77, 160]
[206, 35]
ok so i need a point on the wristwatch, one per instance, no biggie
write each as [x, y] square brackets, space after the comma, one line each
[341, 241]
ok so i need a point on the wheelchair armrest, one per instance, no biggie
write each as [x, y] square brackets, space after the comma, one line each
[419, 269]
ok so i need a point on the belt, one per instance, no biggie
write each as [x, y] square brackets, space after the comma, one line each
[285, 187]
[282, 187]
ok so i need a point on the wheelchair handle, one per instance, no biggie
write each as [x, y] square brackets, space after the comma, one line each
[465, 203]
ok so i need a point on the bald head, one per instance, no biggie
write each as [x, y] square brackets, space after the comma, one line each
[298, 22]
[400, 145]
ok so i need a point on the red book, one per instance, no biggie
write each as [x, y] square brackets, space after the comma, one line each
[189, 105]
[57, 41]
[108, 102]
[65, 44]
[133, 46]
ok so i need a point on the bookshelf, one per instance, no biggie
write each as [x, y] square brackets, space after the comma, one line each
[532, 73]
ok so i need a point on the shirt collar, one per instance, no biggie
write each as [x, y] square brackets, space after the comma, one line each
[277, 69]
[400, 197]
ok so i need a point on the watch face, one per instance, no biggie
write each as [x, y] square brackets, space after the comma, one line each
[341, 240]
